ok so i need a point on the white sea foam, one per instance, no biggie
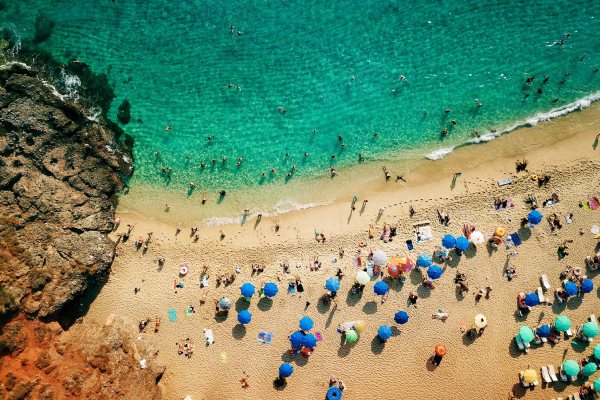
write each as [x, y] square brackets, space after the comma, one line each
[532, 121]
[94, 114]
[72, 83]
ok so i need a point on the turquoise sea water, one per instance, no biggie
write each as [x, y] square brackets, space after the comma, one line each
[173, 60]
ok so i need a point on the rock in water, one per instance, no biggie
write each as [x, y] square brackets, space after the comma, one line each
[124, 114]
[43, 28]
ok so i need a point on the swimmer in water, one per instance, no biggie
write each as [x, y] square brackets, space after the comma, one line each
[305, 155]
[202, 165]
[214, 161]
[546, 79]
[222, 193]
[167, 128]
[203, 199]
[361, 157]
[282, 110]
[263, 174]
[402, 78]
[273, 170]
[156, 154]
[209, 138]
[332, 156]
[240, 161]
[224, 160]
[453, 122]
[340, 138]
[448, 110]
[192, 185]
[444, 132]
[375, 134]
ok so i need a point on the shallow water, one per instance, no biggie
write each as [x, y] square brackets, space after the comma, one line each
[173, 61]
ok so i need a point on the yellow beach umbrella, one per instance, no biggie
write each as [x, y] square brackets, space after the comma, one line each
[530, 375]
[359, 326]
[500, 232]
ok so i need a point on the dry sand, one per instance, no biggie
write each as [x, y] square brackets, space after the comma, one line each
[485, 368]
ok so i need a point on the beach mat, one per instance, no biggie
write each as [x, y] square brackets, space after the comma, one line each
[172, 315]
[265, 337]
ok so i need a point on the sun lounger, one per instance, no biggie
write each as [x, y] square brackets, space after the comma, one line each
[505, 182]
[540, 294]
[593, 318]
[545, 374]
[552, 373]
[569, 332]
[545, 282]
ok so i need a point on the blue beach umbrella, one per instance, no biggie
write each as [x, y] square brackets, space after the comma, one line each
[244, 317]
[571, 288]
[587, 286]
[270, 289]
[306, 323]
[534, 217]
[381, 288]
[296, 339]
[334, 393]
[332, 284]
[285, 370]
[424, 260]
[247, 289]
[462, 243]
[543, 331]
[434, 272]
[401, 317]
[532, 299]
[384, 332]
[448, 241]
[309, 341]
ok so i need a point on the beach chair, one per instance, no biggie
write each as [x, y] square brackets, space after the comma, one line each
[576, 396]
[540, 294]
[552, 373]
[593, 318]
[545, 282]
[563, 376]
[545, 374]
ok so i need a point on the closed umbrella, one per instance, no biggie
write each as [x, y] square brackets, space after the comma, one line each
[597, 351]
[359, 326]
[597, 385]
[589, 369]
[562, 323]
[393, 270]
[225, 303]
[526, 334]
[381, 288]
[384, 332]
[285, 370]
[440, 350]
[270, 289]
[529, 375]
[480, 321]
[571, 367]
[543, 331]
[351, 336]
[247, 289]
[448, 241]
[306, 323]
[434, 272]
[462, 243]
[571, 288]
[534, 217]
[332, 284]
[334, 393]
[309, 341]
[401, 317]
[380, 258]
[590, 329]
[532, 299]
[244, 317]
[424, 260]
[362, 277]
[477, 238]
[296, 339]
[587, 286]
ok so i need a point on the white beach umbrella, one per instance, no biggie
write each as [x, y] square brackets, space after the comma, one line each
[380, 258]
[477, 237]
[595, 229]
[480, 321]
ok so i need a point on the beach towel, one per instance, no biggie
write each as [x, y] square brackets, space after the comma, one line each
[189, 311]
[319, 336]
[291, 289]
[509, 204]
[505, 182]
[585, 205]
[208, 335]
[593, 204]
[172, 315]
[516, 239]
[423, 233]
[224, 357]
[265, 337]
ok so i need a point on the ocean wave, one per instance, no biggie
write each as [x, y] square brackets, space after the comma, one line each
[14, 36]
[71, 83]
[529, 122]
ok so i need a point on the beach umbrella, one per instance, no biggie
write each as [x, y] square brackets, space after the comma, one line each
[562, 323]
[334, 393]
[589, 369]
[309, 341]
[362, 277]
[590, 329]
[406, 264]
[534, 217]
[332, 284]
[244, 317]
[384, 332]
[359, 326]
[500, 232]
[381, 288]
[424, 260]
[480, 321]
[595, 229]
[597, 351]
[532, 299]
[306, 323]
[462, 243]
[270, 289]
[393, 270]
[448, 241]
[597, 385]
[285, 370]
[434, 272]
[296, 339]
[225, 303]
[477, 237]
[571, 367]
[351, 336]
[247, 289]
[401, 317]
[526, 334]
[380, 258]
[529, 375]
[587, 286]
[571, 288]
[440, 350]
[543, 331]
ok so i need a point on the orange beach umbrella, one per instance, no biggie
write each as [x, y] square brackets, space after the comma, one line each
[440, 350]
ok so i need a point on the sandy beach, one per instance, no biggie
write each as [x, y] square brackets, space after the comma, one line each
[484, 368]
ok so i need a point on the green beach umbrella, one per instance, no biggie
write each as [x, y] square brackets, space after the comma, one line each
[351, 336]
[526, 334]
[562, 323]
[589, 369]
[597, 351]
[590, 329]
[597, 385]
[571, 367]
